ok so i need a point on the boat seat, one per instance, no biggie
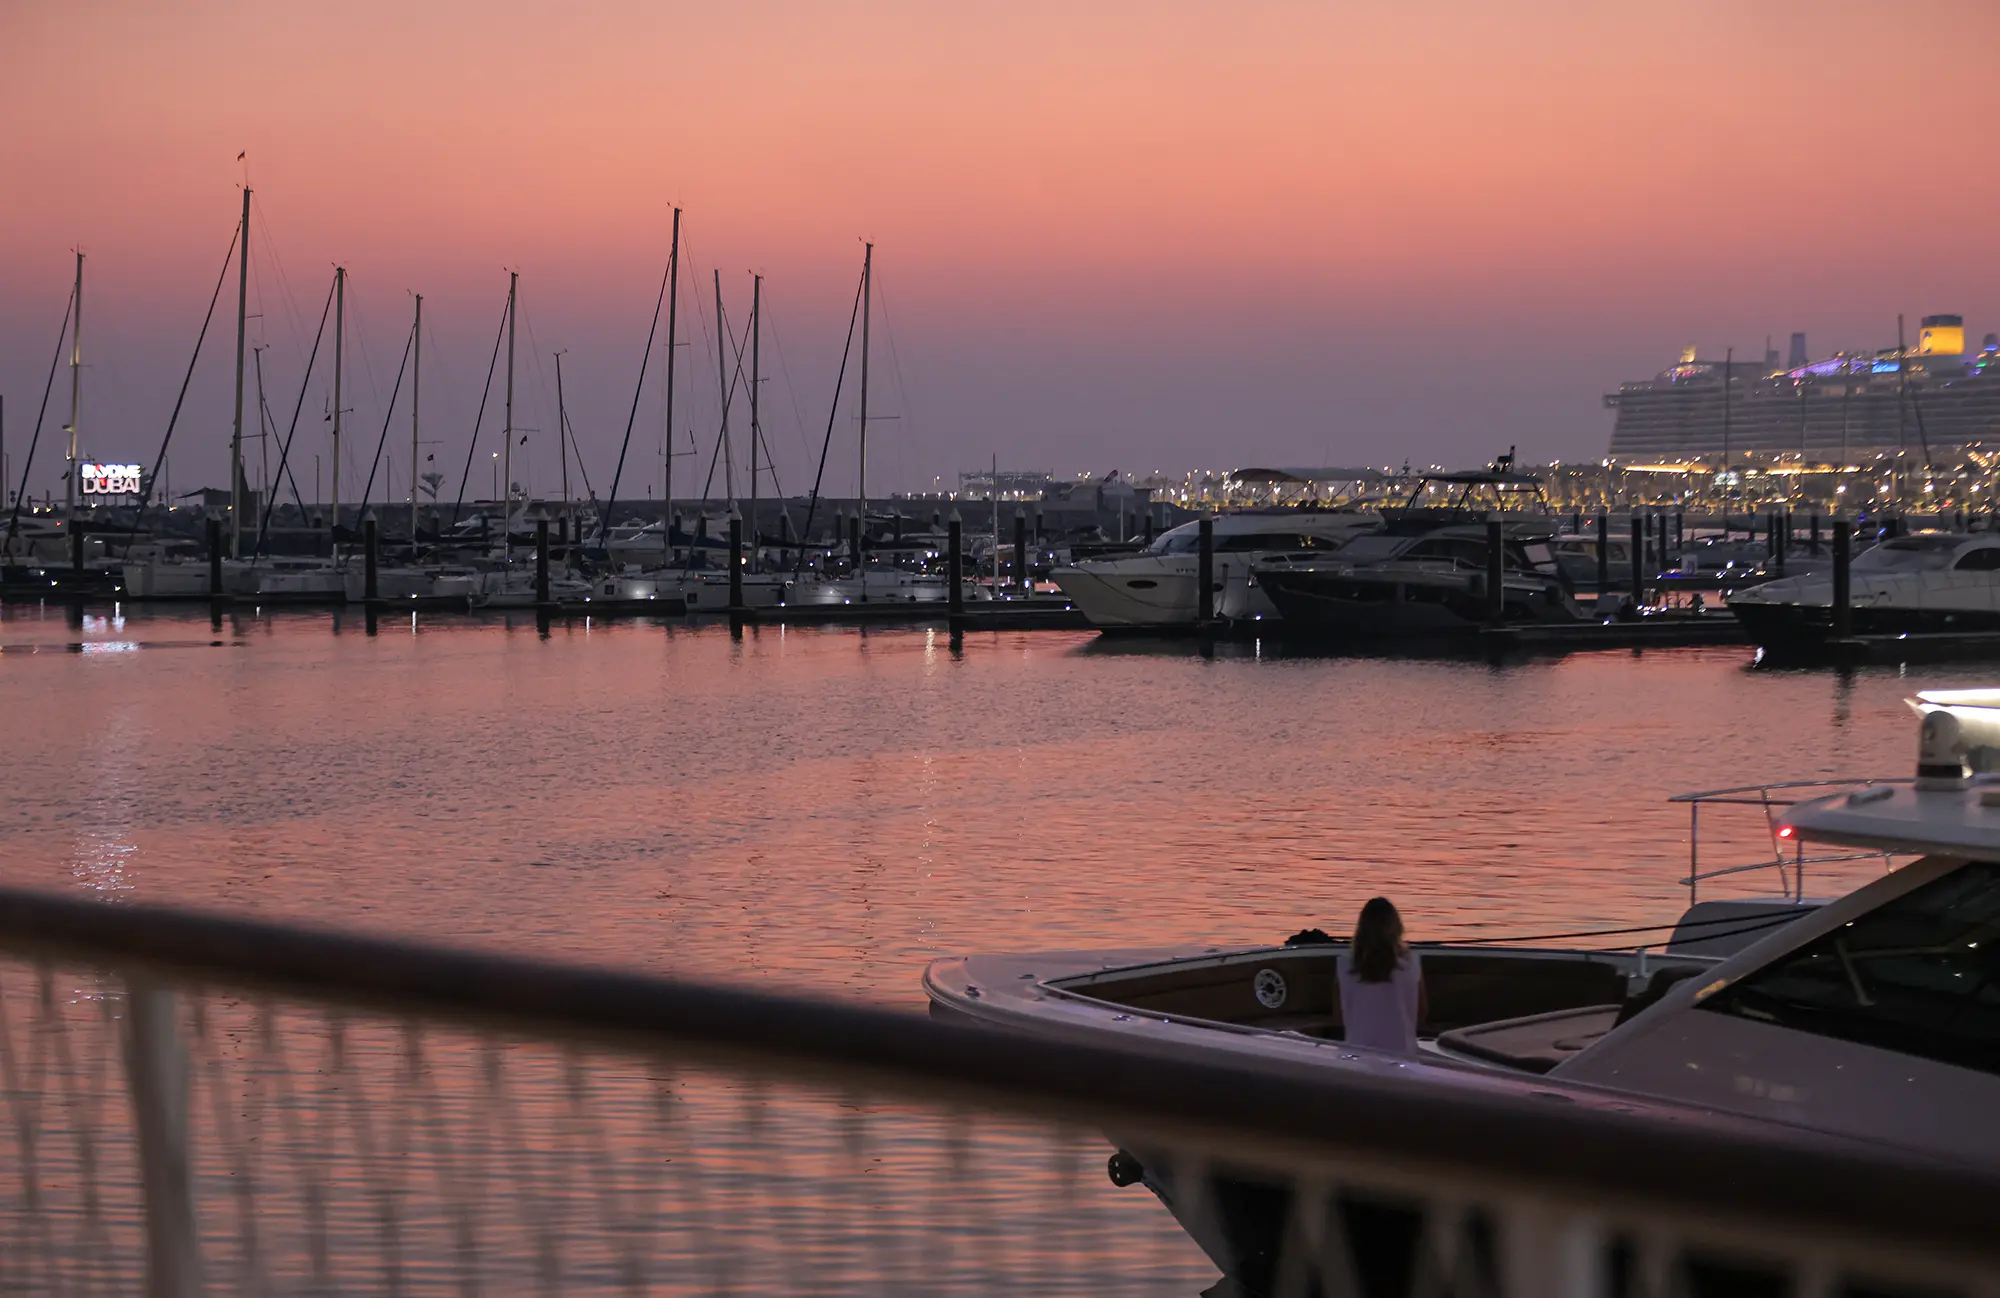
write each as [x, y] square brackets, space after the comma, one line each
[1307, 1025]
[1535, 1043]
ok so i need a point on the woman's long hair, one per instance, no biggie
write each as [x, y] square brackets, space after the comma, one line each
[1378, 941]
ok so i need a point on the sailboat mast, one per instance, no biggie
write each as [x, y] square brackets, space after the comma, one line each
[756, 429]
[263, 437]
[339, 339]
[722, 388]
[507, 443]
[416, 391]
[673, 356]
[236, 501]
[75, 391]
[867, 306]
[562, 434]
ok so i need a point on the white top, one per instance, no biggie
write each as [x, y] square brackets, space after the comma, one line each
[1381, 1015]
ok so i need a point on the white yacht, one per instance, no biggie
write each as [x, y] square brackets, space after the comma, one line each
[505, 588]
[1160, 586]
[701, 590]
[1930, 581]
[1871, 1019]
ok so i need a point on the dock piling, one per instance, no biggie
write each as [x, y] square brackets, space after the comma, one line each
[1813, 543]
[735, 562]
[1205, 572]
[1496, 569]
[371, 541]
[214, 558]
[542, 561]
[1781, 538]
[1603, 552]
[1843, 594]
[1638, 559]
[955, 568]
[1021, 550]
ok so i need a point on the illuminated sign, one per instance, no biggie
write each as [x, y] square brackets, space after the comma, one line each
[110, 479]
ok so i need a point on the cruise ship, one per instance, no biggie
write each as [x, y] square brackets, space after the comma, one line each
[1934, 397]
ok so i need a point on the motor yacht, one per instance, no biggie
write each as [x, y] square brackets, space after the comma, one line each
[1417, 580]
[1866, 1019]
[1928, 581]
[1160, 586]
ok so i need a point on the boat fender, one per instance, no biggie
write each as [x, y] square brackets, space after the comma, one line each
[1124, 1170]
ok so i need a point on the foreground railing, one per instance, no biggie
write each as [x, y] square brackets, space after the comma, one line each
[1788, 853]
[203, 1105]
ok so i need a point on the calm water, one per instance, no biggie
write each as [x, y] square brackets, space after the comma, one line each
[826, 810]
[831, 808]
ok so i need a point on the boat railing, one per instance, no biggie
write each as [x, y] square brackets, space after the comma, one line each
[192, 1104]
[1788, 852]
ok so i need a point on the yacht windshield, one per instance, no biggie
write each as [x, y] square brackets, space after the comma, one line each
[1185, 539]
[1371, 549]
[1919, 974]
[1909, 554]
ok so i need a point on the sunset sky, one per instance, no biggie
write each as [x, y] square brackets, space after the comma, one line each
[1109, 235]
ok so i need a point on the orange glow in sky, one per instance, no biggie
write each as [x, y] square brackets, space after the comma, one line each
[1110, 234]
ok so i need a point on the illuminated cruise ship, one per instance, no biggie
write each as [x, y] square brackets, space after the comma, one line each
[1929, 400]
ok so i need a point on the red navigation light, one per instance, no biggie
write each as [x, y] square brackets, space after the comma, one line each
[1786, 831]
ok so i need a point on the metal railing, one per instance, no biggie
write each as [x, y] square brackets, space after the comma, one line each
[195, 1104]
[1772, 799]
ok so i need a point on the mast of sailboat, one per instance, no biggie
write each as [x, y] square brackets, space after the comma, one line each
[1902, 405]
[867, 304]
[562, 443]
[722, 387]
[416, 392]
[236, 502]
[507, 441]
[756, 428]
[263, 434]
[339, 338]
[75, 391]
[673, 336]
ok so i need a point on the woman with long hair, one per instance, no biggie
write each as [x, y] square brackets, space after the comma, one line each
[1381, 983]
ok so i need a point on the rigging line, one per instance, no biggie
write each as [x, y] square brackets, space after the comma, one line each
[714, 456]
[696, 391]
[902, 393]
[14, 519]
[387, 415]
[289, 298]
[541, 389]
[285, 451]
[146, 487]
[367, 368]
[832, 415]
[569, 428]
[638, 389]
[472, 448]
[791, 389]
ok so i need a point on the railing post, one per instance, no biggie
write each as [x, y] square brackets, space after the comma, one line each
[156, 1071]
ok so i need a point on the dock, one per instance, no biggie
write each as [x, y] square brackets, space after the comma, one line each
[1667, 631]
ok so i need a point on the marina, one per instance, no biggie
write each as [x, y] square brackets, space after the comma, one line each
[1092, 651]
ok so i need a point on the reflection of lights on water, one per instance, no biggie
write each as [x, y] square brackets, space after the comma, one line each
[99, 622]
[101, 862]
[108, 646]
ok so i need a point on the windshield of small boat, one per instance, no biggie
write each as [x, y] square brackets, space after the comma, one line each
[1185, 539]
[1909, 554]
[1371, 549]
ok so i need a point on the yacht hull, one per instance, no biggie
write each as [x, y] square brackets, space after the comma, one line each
[1359, 605]
[1160, 593]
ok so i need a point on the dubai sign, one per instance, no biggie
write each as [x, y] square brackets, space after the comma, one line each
[110, 479]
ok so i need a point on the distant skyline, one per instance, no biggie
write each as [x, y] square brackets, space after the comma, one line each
[1108, 235]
